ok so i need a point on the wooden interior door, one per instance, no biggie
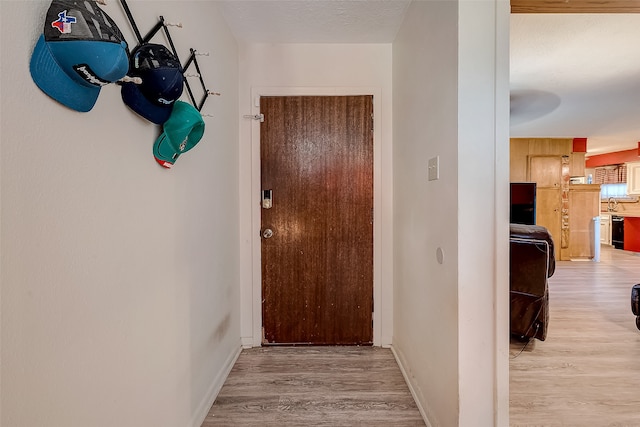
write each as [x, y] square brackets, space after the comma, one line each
[546, 172]
[317, 236]
[548, 212]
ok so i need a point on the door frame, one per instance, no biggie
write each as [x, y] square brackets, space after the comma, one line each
[382, 226]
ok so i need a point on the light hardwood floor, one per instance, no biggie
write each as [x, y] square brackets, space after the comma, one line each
[315, 386]
[587, 371]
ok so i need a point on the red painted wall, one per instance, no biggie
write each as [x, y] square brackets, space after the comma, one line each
[612, 158]
[632, 234]
[579, 145]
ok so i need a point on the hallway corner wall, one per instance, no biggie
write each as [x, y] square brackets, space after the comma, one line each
[450, 105]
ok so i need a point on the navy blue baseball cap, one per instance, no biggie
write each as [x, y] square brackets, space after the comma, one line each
[180, 133]
[80, 51]
[162, 82]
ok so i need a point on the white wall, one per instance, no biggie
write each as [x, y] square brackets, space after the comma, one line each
[483, 221]
[119, 279]
[451, 317]
[425, 212]
[315, 69]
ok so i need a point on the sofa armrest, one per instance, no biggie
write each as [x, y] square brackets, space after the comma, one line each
[529, 268]
[536, 232]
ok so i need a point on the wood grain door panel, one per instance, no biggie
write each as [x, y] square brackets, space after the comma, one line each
[584, 205]
[549, 204]
[545, 171]
[317, 268]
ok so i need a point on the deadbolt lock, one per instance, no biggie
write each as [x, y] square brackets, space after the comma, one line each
[267, 199]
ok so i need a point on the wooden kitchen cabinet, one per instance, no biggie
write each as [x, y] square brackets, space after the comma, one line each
[545, 171]
[547, 161]
[584, 206]
[521, 149]
[576, 164]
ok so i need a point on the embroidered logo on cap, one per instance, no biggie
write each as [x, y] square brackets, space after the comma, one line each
[63, 24]
[183, 144]
[89, 76]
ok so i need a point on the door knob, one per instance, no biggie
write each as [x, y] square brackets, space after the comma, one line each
[267, 233]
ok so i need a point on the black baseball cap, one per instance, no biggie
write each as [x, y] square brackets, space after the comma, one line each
[162, 82]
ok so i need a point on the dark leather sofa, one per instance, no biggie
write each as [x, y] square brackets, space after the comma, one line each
[531, 263]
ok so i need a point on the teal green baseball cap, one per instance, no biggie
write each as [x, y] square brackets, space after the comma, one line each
[180, 133]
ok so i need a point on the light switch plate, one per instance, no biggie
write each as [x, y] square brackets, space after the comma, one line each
[434, 168]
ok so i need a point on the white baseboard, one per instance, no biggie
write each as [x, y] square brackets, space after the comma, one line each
[407, 379]
[386, 342]
[216, 386]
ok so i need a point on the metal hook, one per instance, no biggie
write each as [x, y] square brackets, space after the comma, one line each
[127, 79]
[213, 93]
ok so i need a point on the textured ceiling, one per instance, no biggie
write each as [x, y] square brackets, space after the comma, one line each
[577, 75]
[572, 75]
[315, 21]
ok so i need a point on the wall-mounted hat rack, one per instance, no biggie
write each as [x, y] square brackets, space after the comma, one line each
[194, 60]
[162, 24]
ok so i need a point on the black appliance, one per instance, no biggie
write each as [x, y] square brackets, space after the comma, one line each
[617, 231]
[523, 203]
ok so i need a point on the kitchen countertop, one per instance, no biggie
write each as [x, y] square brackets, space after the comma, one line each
[629, 214]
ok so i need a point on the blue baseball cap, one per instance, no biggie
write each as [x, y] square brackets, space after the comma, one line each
[162, 82]
[80, 51]
[180, 133]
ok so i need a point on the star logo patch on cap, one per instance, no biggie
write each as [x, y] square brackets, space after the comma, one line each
[80, 49]
[63, 24]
